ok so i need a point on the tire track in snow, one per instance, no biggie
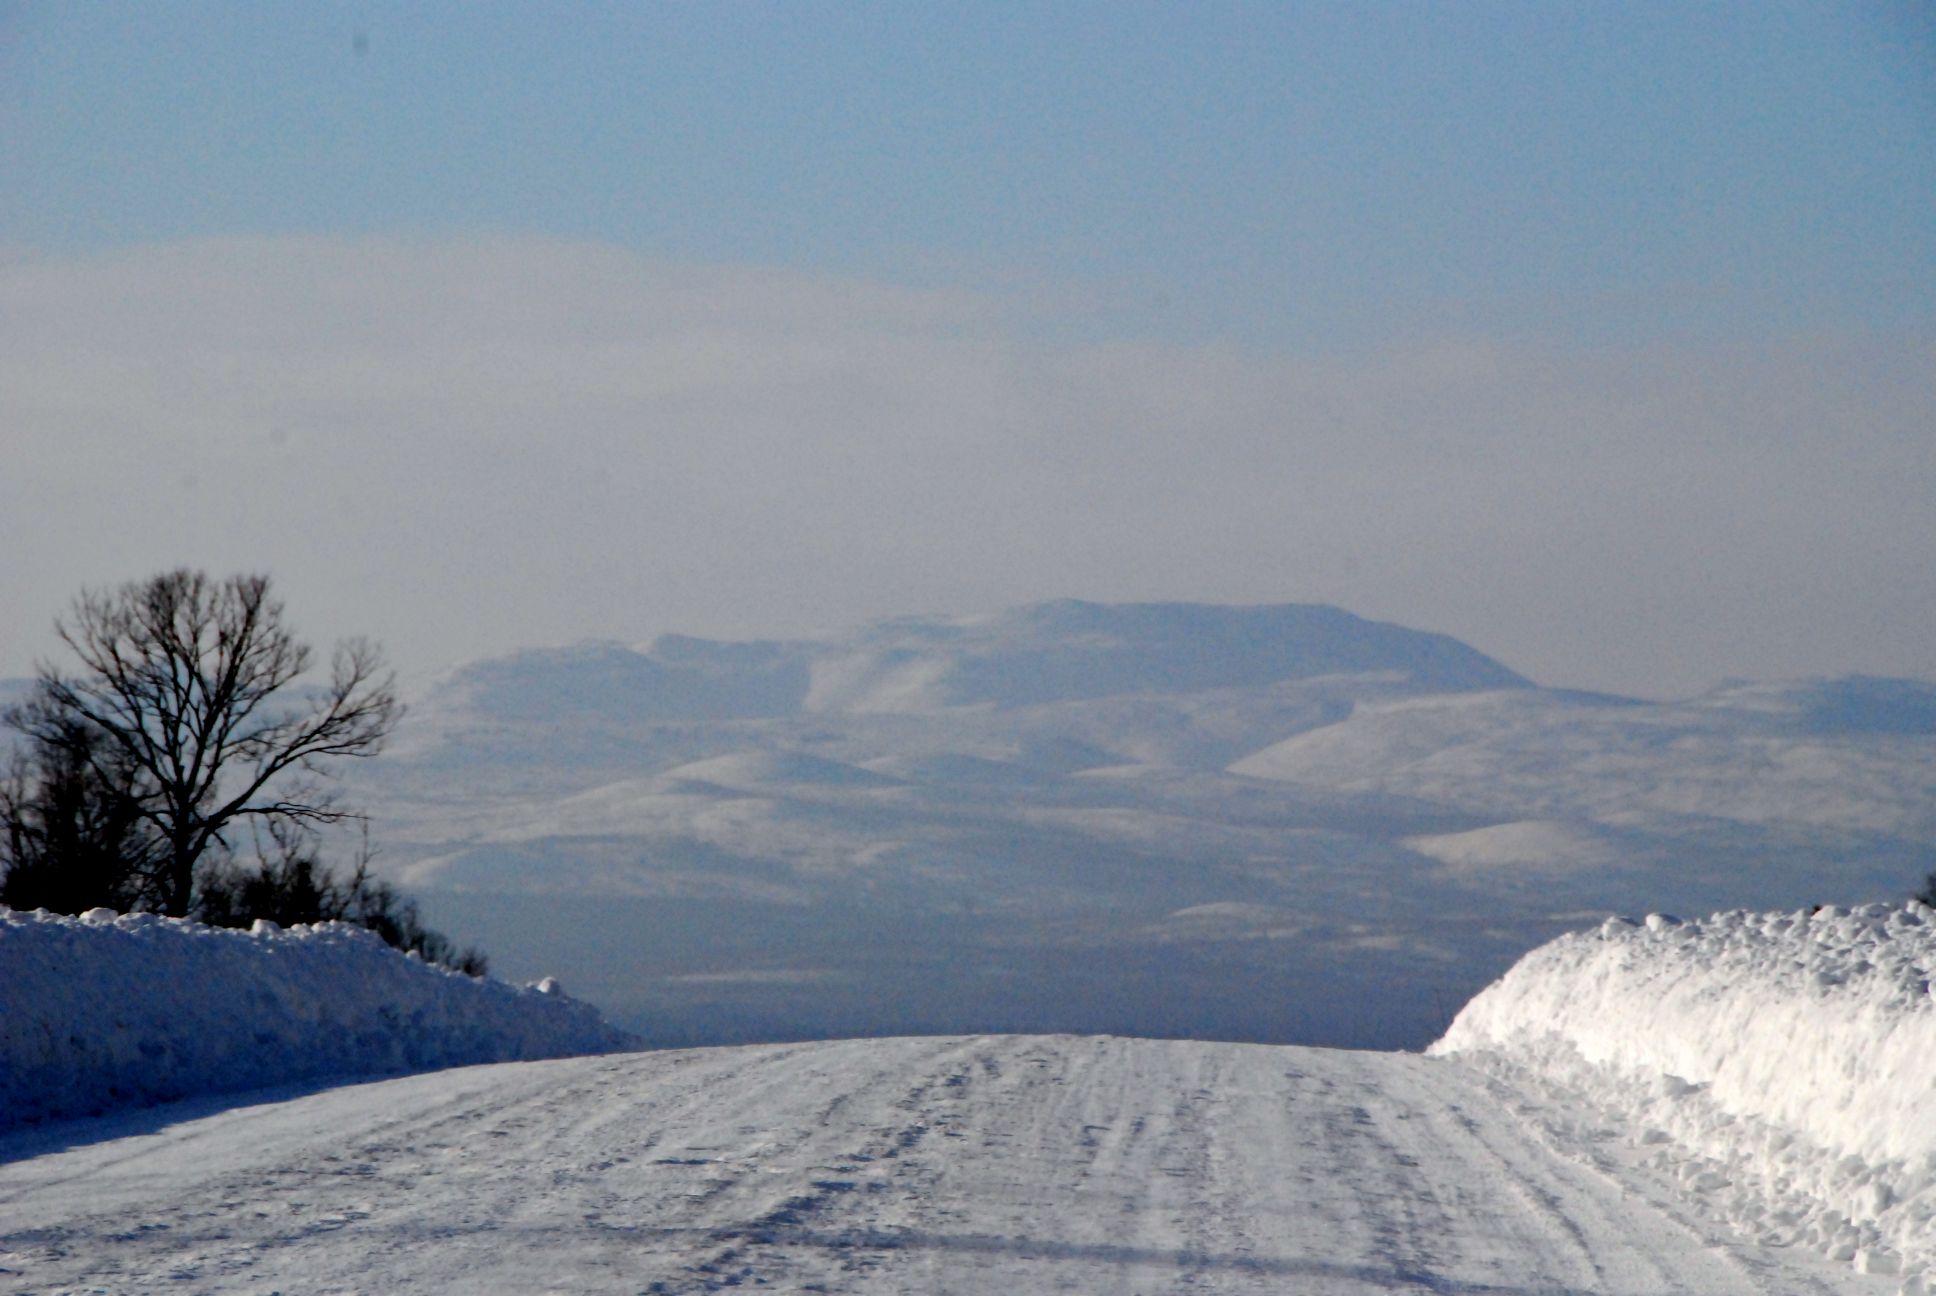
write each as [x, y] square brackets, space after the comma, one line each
[1002, 1164]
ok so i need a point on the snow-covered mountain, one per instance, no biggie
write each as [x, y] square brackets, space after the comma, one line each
[1071, 651]
[1056, 652]
[1169, 819]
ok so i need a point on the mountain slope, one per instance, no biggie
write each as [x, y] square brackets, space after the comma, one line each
[1070, 651]
[1045, 653]
[1074, 816]
[1540, 753]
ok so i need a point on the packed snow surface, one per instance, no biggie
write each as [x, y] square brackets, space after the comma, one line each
[105, 1010]
[1006, 1164]
[1780, 1066]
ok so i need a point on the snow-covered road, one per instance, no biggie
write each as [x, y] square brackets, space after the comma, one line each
[998, 1164]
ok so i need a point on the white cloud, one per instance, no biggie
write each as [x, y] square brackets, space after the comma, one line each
[464, 446]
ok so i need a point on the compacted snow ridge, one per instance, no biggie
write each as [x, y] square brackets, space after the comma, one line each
[112, 1010]
[1781, 1067]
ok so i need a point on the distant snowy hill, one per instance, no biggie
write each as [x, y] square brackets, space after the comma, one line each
[1050, 652]
[1748, 757]
[1072, 651]
[1076, 816]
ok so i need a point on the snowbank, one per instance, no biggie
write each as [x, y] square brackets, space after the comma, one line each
[1781, 1066]
[104, 1011]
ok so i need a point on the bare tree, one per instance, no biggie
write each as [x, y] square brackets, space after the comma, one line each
[70, 838]
[192, 684]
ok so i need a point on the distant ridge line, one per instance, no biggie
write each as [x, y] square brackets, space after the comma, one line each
[1056, 651]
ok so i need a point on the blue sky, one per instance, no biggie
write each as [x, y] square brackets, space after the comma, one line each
[1662, 210]
[1278, 171]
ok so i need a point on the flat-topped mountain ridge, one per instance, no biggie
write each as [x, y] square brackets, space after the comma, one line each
[1062, 651]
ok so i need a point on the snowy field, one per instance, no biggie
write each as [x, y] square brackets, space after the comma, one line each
[1736, 1105]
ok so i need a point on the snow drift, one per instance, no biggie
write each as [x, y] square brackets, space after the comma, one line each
[105, 1011]
[1782, 1067]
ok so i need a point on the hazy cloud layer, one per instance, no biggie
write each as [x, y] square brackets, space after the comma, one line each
[465, 446]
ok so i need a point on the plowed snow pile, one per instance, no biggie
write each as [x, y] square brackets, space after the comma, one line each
[105, 1011]
[1782, 1067]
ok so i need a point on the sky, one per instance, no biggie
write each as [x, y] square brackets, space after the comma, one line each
[1602, 336]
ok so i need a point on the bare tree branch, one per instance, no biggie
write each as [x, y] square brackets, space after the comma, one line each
[190, 684]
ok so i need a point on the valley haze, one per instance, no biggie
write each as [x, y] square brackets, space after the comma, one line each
[1277, 823]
